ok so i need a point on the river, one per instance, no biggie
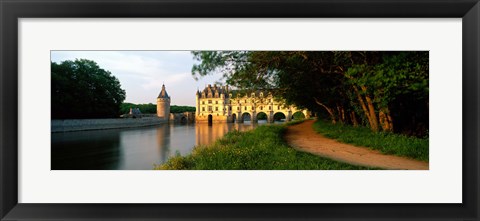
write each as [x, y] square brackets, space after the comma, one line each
[133, 148]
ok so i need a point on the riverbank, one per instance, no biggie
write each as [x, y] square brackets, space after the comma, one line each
[102, 124]
[260, 149]
[304, 138]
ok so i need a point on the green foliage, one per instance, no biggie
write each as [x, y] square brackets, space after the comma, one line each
[81, 89]
[397, 82]
[181, 109]
[144, 108]
[332, 81]
[259, 149]
[396, 74]
[152, 108]
[385, 142]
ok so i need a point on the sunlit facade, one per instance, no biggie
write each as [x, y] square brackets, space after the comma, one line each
[217, 104]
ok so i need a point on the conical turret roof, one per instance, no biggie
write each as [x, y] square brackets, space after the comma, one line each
[163, 93]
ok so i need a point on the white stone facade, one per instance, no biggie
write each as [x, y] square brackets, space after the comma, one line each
[218, 104]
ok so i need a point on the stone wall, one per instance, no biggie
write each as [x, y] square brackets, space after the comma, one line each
[163, 107]
[100, 124]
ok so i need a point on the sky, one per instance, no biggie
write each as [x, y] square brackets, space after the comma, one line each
[142, 73]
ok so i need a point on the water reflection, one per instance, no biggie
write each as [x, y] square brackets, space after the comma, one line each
[207, 134]
[86, 150]
[162, 142]
[134, 148]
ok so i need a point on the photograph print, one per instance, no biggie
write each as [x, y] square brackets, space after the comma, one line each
[239, 110]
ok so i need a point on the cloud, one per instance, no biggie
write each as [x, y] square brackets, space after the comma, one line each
[169, 79]
[142, 73]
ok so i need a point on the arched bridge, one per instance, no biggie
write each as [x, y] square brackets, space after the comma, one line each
[185, 117]
[270, 116]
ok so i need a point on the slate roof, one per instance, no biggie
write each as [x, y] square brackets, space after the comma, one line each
[210, 91]
[163, 93]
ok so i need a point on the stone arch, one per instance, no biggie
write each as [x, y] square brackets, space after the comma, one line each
[210, 119]
[298, 115]
[246, 116]
[234, 118]
[262, 115]
[183, 119]
[280, 116]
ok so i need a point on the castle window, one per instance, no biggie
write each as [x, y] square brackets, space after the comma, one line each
[203, 108]
[203, 102]
[216, 108]
[261, 107]
[216, 102]
[209, 101]
[245, 108]
[238, 108]
[269, 107]
[209, 108]
[253, 108]
[230, 108]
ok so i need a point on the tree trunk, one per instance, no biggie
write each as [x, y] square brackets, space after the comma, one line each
[373, 115]
[390, 121]
[371, 110]
[353, 118]
[385, 120]
[329, 110]
[368, 108]
[341, 114]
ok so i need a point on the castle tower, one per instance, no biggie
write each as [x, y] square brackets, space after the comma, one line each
[163, 104]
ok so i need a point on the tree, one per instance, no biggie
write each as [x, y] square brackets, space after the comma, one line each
[181, 109]
[81, 89]
[371, 88]
[152, 108]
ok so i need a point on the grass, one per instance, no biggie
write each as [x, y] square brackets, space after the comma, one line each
[260, 149]
[387, 143]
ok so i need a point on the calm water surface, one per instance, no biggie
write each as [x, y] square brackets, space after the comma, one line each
[133, 148]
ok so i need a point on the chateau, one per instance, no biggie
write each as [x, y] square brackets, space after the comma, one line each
[219, 104]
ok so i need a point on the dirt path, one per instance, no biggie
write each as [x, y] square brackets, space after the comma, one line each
[303, 137]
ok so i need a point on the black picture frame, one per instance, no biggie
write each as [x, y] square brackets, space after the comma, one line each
[12, 10]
